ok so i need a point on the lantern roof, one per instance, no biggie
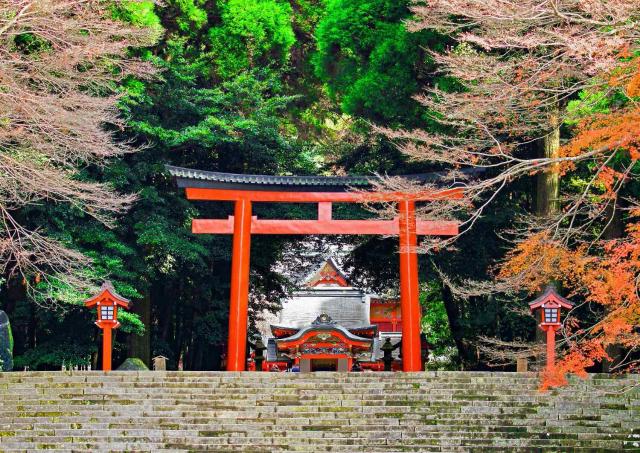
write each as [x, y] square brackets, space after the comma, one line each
[188, 177]
[550, 296]
[107, 293]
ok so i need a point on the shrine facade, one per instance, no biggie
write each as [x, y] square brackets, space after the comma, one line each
[330, 325]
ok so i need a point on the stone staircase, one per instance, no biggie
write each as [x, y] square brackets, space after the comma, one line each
[315, 412]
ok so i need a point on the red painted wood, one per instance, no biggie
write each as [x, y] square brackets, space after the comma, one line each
[409, 302]
[381, 227]
[242, 226]
[287, 344]
[239, 299]
[197, 193]
[551, 346]
[106, 348]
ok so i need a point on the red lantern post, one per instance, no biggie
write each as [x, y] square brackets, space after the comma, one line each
[549, 305]
[107, 303]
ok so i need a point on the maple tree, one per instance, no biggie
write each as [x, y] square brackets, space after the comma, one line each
[602, 272]
[526, 73]
[512, 70]
[59, 65]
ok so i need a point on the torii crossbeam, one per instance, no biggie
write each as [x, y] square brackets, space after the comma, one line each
[244, 190]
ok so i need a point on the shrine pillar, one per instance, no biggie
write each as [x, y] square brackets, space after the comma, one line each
[239, 300]
[409, 301]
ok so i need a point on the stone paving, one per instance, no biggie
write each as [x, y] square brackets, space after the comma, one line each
[315, 412]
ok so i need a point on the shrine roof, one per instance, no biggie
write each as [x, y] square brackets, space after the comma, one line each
[187, 177]
[325, 323]
[329, 273]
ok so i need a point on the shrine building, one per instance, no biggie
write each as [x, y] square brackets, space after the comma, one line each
[329, 325]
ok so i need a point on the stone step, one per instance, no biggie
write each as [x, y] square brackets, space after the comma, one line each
[316, 412]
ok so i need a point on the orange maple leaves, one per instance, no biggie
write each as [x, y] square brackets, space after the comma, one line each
[617, 131]
[539, 259]
[620, 130]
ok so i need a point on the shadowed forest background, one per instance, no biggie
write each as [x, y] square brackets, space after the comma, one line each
[271, 87]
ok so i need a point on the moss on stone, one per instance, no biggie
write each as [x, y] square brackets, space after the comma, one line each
[133, 364]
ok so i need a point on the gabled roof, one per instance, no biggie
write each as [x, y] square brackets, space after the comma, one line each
[328, 274]
[550, 295]
[283, 331]
[107, 292]
[187, 177]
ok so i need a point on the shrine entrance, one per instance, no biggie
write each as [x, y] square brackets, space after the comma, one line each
[245, 190]
[329, 364]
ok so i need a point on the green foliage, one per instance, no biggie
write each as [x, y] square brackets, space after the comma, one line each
[54, 354]
[138, 12]
[590, 103]
[435, 323]
[192, 14]
[368, 60]
[252, 34]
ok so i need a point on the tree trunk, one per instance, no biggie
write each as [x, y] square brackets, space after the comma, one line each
[454, 315]
[548, 184]
[613, 229]
[140, 346]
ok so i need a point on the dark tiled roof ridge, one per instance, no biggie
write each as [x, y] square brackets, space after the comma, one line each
[216, 176]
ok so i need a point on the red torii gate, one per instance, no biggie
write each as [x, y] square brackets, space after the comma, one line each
[244, 190]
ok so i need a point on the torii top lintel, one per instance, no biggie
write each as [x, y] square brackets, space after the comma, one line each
[324, 190]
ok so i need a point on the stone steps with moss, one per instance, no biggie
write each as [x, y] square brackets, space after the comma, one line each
[355, 412]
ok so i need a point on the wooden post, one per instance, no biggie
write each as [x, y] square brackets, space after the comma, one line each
[522, 365]
[239, 300]
[106, 348]
[409, 302]
[551, 347]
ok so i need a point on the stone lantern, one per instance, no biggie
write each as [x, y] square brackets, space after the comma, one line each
[107, 302]
[549, 305]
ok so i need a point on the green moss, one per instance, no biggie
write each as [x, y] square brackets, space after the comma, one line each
[211, 433]
[6, 343]
[617, 407]
[133, 364]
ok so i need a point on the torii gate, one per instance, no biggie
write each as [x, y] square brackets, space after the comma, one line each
[244, 190]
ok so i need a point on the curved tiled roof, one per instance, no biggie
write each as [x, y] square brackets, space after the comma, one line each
[234, 178]
[187, 177]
